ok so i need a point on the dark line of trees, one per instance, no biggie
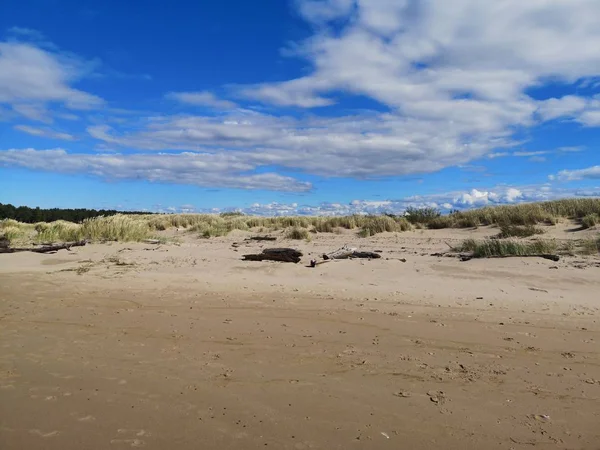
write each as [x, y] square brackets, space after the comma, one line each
[33, 215]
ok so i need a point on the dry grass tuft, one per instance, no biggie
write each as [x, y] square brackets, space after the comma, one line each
[488, 248]
[520, 231]
[298, 233]
[590, 221]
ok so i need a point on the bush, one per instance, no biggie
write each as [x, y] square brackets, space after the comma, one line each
[522, 231]
[590, 221]
[442, 222]
[298, 233]
[590, 246]
[372, 225]
[421, 215]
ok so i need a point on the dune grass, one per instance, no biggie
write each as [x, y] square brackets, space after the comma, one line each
[489, 248]
[298, 234]
[590, 221]
[519, 231]
[514, 221]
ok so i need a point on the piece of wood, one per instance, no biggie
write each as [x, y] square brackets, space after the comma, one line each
[261, 238]
[345, 252]
[342, 253]
[369, 255]
[275, 254]
[45, 249]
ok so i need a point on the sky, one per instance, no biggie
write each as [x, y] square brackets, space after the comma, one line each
[298, 106]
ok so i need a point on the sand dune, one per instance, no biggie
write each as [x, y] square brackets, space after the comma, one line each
[186, 346]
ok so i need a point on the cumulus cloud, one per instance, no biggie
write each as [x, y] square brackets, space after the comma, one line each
[201, 98]
[462, 200]
[590, 173]
[463, 65]
[45, 133]
[220, 170]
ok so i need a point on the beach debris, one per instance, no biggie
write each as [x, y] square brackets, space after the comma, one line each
[151, 241]
[44, 249]
[538, 290]
[540, 417]
[261, 238]
[385, 435]
[437, 397]
[346, 252]
[402, 394]
[276, 254]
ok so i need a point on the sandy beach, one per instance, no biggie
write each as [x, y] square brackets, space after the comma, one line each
[133, 345]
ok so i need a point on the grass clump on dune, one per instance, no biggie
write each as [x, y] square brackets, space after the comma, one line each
[372, 225]
[489, 248]
[58, 231]
[298, 234]
[590, 221]
[421, 215]
[116, 228]
[520, 231]
[14, 232]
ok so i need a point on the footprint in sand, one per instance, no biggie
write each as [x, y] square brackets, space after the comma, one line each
[133, 439]
[39, 433]
[88, 418]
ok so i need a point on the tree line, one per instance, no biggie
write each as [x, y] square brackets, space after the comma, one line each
[33, 215]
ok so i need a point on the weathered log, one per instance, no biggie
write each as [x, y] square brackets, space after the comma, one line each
[370, 255]
[45, 249]
[342, 253]
[276, 254]
[261, 238]
[345, 252]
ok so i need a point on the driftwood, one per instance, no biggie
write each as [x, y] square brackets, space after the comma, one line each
[276, 254]
[550, 257]
[342, 253]
[261, 238]
[345, 253]
[369, 255]
[45, 249]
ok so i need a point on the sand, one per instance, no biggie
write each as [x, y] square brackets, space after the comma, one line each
[117, 346]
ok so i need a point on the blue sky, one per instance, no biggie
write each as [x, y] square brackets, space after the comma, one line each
[298, 106]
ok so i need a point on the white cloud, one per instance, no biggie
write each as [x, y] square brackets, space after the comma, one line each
[45, 133]
[560, 107]
[463, 67]
[534, 153]
[201, 169]
[474, 198]
[590, 173]
[201, 98]
[31, 77]
[33, 112]
[357, 146]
